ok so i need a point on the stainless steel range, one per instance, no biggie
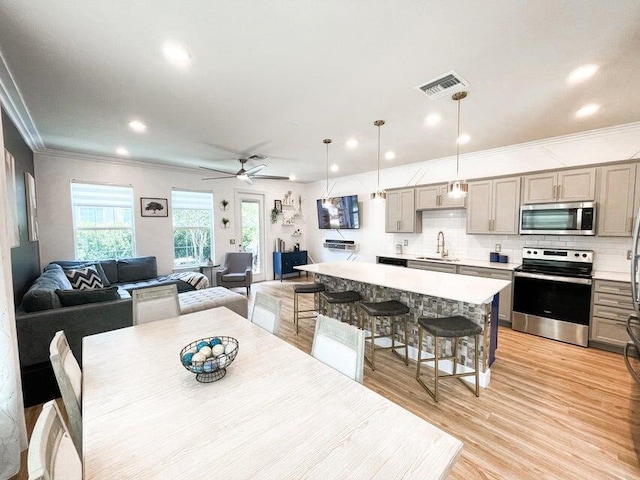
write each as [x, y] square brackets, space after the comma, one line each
[552, 294]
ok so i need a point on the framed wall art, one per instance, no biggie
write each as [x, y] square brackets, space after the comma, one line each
[154, 207]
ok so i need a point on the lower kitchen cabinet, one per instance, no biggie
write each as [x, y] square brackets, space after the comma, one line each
[611, 307]
[284, 262]
[433, 266]
[506, 297]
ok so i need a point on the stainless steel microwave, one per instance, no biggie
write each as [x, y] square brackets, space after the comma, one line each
[558, 219]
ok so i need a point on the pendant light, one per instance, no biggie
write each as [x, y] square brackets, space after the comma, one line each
[326, 201]
[379, 195]
[458, 188]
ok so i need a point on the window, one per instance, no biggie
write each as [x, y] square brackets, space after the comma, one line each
[192, 226]
[102, 221]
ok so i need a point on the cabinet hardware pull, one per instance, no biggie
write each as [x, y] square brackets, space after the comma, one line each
[438, 200]
[555, 192]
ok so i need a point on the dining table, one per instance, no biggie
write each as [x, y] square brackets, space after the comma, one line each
[278, 413]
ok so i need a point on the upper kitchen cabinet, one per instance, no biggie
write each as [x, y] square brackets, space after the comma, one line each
[494, 206]
[616, 200]
[577, 185]
[400, 209]
[432, 197]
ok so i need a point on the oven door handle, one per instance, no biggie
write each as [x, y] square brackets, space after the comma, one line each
[554, 278]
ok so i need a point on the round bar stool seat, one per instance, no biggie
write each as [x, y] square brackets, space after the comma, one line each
[394, 310]
[455, 327]
[304, 289]
[349, 297]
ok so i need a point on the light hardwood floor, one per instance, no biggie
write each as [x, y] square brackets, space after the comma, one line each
[552, 410]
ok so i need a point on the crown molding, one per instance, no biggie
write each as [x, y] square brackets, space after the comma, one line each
[15, 106]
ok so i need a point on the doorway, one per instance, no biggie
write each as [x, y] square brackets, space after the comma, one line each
[252, 230]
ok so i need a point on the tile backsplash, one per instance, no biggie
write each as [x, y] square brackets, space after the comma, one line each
[610, 252]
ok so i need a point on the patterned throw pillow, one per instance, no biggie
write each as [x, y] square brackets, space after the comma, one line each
[84, 278]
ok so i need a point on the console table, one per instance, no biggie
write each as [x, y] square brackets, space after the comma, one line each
[285, 262]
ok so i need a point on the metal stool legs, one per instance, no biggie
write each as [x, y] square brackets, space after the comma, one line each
[455, 374]
[372, 327]
[297, 311]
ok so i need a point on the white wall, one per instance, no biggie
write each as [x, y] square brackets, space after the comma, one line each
[599, 146]
[154, 236]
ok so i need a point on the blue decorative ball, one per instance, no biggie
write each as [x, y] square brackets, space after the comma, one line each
[186, 358]
[215, 341]
[198, 368]
[202, 344]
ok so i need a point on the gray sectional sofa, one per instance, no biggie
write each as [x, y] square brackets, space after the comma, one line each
[43, 312]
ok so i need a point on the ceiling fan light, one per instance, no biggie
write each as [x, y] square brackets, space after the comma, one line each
[457, 189]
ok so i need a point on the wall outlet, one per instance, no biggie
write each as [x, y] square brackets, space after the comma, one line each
[232, 241]
[498, 247]
[406, 243]
[628, 254]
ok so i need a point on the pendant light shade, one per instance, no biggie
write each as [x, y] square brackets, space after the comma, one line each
[458, 188]
[326, 201]
[379, 195]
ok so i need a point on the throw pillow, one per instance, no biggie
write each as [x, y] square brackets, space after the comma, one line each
[86, 278]
[70, 298]
[75, 265]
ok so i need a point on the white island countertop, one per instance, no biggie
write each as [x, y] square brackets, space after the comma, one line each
[462, 288]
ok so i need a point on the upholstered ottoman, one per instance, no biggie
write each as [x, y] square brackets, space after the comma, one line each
[211, 298]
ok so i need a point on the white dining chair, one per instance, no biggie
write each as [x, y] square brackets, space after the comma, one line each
[69, 378]
[340, 346]
[266, 312]
[52, 454]
[155, 303]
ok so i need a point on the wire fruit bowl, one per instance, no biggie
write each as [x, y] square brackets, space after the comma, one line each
[209, 357]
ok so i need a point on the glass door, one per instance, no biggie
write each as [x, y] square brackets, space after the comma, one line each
[251, 234]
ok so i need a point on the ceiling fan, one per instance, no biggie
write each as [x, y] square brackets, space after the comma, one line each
[246, 175]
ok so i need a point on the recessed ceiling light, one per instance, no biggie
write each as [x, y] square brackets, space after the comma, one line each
[587, 110]
[390, 155]
[334, 168]
[176, 54]
[122, 151]
[582, 73]
[352, 143]
[464, 138]
[433, 119]
[137, 126]
[292, 177]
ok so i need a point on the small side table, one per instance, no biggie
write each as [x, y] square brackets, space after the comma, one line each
[207, 270]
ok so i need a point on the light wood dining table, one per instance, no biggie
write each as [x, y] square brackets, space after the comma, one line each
[277, 414]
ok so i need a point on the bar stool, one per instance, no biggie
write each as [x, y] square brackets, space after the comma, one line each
[455, 327]
[348, 297]
[303, 289]
[394, 310]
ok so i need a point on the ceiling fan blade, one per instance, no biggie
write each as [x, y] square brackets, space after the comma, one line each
[218, 178]
[270, 177]
[216, 170]
[255, 169]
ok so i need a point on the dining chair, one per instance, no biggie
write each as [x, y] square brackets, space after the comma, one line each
[266, 312]
[340, 346]
[51, 453]
[155, 303]
[69, 378]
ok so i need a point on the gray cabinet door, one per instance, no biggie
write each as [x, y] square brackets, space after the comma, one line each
[540, 188]
[506, 294]
[427, 197]
[479, 207]
[392, 212]
[577, 185]
[506, 206]
[400, 211]
[615, 201]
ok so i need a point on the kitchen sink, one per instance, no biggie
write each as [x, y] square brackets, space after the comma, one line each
[438, 259]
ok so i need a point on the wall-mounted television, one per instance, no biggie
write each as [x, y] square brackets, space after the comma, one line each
[342, 213]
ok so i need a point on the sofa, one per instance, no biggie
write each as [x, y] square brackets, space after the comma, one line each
[52, 304]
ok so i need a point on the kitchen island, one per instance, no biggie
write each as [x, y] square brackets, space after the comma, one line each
[427, 293]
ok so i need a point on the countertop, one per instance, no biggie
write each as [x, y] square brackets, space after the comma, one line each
[461, 288]
[614, 276]
[459, 261]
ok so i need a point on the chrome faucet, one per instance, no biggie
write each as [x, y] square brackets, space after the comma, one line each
[443, 252]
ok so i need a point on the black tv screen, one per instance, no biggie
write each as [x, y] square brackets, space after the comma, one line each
[343, 212]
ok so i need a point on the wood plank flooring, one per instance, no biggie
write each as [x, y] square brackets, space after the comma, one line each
[552, 410]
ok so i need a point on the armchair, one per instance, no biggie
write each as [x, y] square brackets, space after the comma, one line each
[236, 271]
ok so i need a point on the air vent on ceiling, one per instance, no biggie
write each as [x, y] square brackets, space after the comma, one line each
[446, 84]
